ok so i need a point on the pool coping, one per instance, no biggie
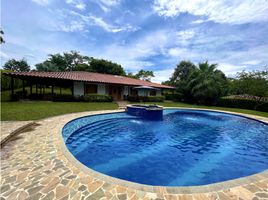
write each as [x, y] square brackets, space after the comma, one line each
[214, 187]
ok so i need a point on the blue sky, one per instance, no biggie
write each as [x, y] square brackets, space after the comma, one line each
[140, 34]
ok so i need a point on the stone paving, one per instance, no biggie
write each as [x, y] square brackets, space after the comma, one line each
[7, 127]
[33, 166]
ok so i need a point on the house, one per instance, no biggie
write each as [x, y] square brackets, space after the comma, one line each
[119, 87]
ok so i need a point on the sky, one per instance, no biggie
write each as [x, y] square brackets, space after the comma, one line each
[140, 34]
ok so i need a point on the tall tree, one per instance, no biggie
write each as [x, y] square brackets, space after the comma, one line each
[106, 67]
[253, 83]
[142, 75]
[207, 83]
[1, 36]
[180, 79]
[17, 65]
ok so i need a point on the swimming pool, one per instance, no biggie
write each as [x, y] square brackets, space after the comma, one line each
[187, 148]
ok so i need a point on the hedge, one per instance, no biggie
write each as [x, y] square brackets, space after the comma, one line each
[173, 97]
[146, 98]
[262, 107]
[243, 104]
[98, 98]
[85, 98]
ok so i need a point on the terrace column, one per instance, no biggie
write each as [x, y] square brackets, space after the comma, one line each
[12, 86]
[23, 89]
[31, 88]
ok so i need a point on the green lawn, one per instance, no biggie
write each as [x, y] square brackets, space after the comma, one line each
[20, 111]
[33, 110]
[179, 104]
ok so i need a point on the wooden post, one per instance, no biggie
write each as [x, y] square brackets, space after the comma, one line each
[36, 88]
[12, 86]
[52, 89]
[60, 90]
[31, 88]
[23, 89]
[72, 89]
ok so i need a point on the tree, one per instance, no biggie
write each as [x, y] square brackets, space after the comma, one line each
[207, 83]
[144, 75]
[17, 65]
[253, 83]
[1, 36]
[74, 61]
[106, 67]
[180, 79]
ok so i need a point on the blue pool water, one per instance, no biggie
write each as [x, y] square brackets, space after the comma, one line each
[187, 148]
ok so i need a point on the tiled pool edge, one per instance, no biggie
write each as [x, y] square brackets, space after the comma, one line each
[171, 190]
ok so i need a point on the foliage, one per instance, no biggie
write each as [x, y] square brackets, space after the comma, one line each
[74, 61]
[207, 84]
[98, 98]
[17, 65]
[262, 107]
[244, 104]
[203, 84]
[237, 103]
[146, 98]
[181, 78]
[105, 67]
[142, 75]
[173, 97]
[63, 98]
[251, 83]
[1, 36]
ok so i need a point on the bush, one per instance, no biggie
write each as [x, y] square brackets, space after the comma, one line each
[63, 98]
[146, 99]
[238, 103]
[155, 99]
[263, 107]
[173, 97]
[98, 98]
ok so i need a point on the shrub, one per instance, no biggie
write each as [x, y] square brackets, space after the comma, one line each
[262, 107]
[63, 98]
[238, 103]
[155, 98]
[98, 98]
[173, 97]
[146, 98]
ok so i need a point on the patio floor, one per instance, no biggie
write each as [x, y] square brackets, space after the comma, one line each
[34, 166]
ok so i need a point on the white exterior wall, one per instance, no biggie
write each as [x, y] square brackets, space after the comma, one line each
[126, 90]
[101, 89]
[79, 88]
[158, 92]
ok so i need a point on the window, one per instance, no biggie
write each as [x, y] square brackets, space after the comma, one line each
[91, 88]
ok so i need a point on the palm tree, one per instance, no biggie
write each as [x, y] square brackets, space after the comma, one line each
[207, 83]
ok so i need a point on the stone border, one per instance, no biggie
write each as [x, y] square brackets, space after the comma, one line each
[170, 189]
[15, 132]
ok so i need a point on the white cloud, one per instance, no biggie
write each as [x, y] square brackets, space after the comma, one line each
[42, 2]
[106, 5]
[251, 62]
[4, 55]
[79, 4]
[225, 11]
[162, 75]
[71, 21]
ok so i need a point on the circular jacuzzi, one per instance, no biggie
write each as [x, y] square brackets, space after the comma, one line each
[186, 148]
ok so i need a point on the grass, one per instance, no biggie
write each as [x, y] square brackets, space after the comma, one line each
[20, 111]
[237, 110]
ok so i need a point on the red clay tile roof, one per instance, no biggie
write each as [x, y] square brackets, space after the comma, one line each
[89, 77]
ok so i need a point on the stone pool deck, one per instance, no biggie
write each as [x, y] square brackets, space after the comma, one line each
[35, 165]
